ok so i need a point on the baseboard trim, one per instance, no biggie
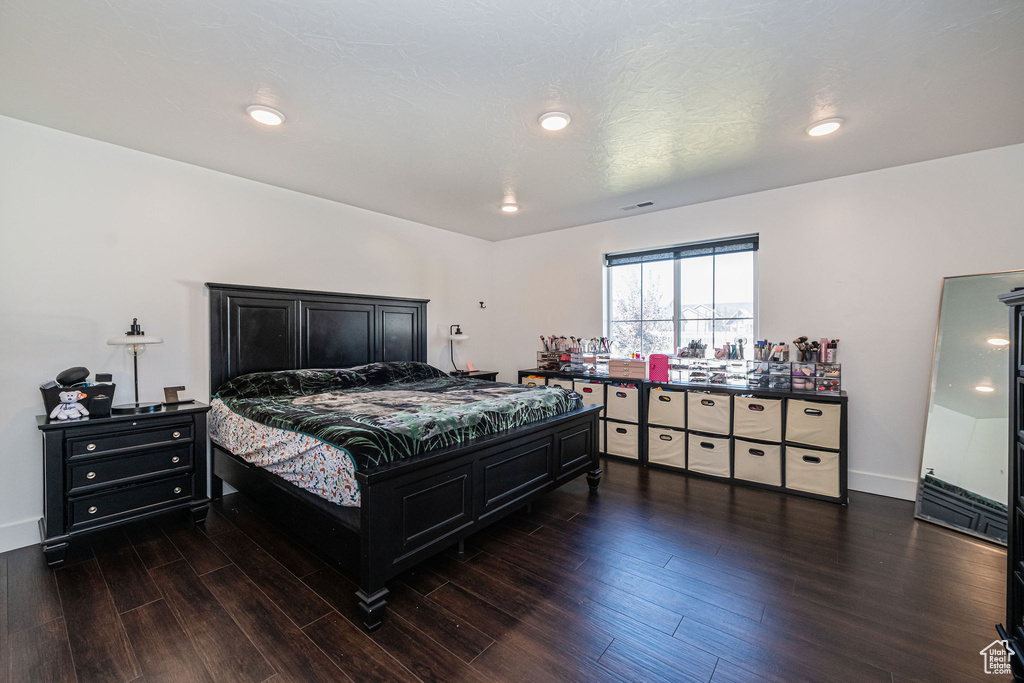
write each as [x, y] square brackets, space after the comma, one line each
[883, 485]
[19, 534]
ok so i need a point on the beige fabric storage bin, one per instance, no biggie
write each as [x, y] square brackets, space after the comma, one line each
[757, 418]
[600, 436]
[708, 412]
[564, 383]
[592, 393]
[666, 447]
[621, 403]
[812, 471]
[758, 462]
[667, 408]
[623, 439]
[533, 381]
[814, 424]
[708, 455]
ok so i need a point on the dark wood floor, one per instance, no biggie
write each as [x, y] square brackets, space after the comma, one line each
[657, 578]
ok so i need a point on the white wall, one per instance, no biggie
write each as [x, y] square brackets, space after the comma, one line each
[92, 234]
[860, 258]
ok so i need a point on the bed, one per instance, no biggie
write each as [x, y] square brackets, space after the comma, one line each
[409, 508]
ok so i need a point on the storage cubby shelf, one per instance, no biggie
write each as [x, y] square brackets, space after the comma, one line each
[784, 440]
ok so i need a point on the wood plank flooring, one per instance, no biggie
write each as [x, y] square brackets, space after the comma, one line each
[658, 577]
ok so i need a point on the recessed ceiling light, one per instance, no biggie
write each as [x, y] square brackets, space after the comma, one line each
[554, 120]
[265, 115]
[998, 341]
[824, 127]
[508, 207]
[985, 390]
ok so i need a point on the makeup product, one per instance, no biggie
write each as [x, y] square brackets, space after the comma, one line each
[780, 352]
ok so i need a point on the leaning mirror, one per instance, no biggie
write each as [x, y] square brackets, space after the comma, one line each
[963, 468]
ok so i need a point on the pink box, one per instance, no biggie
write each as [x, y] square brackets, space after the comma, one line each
[658, 367]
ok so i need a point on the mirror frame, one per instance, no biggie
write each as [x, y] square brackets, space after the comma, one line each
[928, 403]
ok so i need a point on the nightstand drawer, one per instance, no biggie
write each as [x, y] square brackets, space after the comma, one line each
[108, 506]
[91, 474]
[118, 441]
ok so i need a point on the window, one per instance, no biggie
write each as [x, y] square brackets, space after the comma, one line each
[662, 299]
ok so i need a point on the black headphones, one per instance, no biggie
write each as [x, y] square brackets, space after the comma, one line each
[72, 376]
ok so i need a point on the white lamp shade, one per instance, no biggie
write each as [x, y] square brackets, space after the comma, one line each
[134, 340]
[458, 337]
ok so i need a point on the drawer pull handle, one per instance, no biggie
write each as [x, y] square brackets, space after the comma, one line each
[756, 407]
[707, 402]
[91, 447]
[177, 489]
[93, 510]
[620, 394]
[666, 399]
[665, 437]
[176, 435]
[587, 390]
[175, 459]
[620, 430]
[756, 451]
[90, 475]
[812, 459]
[813, 412]
[707, 444]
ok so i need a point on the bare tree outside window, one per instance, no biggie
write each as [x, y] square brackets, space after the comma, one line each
[657, 306]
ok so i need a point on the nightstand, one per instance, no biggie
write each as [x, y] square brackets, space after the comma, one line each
[101, 472]
[489, 375]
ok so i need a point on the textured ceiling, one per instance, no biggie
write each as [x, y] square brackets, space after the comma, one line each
[428, 109]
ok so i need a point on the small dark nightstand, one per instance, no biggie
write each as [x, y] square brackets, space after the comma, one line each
[101, 472]
[489, 375]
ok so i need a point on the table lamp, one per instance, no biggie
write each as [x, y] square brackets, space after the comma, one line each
[455, 335]
[135, 341]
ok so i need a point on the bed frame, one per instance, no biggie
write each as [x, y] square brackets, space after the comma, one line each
[410, 509]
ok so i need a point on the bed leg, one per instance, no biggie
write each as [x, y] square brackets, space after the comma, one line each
[529, 508]
[462, 547]
[594, 478]
[372, 606]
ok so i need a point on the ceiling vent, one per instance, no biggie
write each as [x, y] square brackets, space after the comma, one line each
[641, 205]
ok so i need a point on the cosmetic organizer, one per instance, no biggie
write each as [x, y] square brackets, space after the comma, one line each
[763, 374]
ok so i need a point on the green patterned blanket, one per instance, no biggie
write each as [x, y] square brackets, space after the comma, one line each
[384, 412]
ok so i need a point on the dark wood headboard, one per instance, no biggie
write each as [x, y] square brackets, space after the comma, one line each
[258, 329]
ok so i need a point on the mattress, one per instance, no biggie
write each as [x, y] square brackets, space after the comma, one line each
[369, 416]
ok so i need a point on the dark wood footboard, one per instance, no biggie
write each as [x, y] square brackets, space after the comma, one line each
[412, 514]
[413, 509]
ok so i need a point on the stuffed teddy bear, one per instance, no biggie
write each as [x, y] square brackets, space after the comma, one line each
[69, 408]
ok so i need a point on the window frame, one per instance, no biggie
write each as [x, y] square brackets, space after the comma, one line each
[677, 268]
